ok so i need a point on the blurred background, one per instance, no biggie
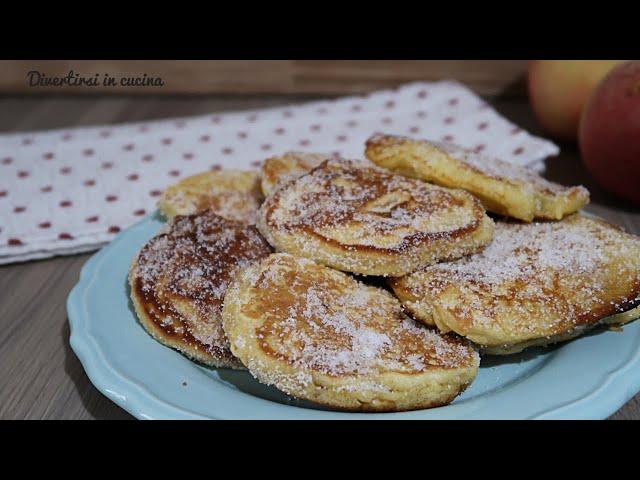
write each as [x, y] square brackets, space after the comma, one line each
[319, 77]
[546, 97]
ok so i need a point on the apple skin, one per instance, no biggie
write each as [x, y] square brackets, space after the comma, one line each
[609, 135]
[559, 89]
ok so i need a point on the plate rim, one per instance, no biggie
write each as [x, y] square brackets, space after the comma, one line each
[611, 392]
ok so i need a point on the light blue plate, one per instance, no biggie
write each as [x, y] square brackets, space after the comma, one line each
[589, 378]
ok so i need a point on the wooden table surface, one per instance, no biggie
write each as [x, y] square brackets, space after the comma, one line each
[40, 376]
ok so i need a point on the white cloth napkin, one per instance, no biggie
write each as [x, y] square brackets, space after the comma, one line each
[72, 190]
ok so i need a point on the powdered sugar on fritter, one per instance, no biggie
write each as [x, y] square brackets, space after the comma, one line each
[184, 272]
[499, 169]
[345, 198]
[522, 250]
[325, 321]
[534, 280]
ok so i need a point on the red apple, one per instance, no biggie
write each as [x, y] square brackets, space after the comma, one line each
[609, 133]
[558, 90]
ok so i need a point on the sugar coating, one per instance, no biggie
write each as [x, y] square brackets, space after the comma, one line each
[499, 169]
[283, 168]
[320, 320]
[503, 187]
[353, 205]
[232, 194]
[489, 166]
[185, 270]
[349, 193]
[543, 277]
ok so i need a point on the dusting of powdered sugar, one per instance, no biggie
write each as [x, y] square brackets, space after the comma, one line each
[523, 250]
[356, 203]
[183, 273]
[321, 320]
[575, 270]
[499, 169]
[232, 194]
[281, 169]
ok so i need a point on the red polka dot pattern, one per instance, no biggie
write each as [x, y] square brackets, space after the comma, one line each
[75, 187]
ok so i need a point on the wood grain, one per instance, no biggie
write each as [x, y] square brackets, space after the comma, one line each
[40, 375]
[327, 77]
